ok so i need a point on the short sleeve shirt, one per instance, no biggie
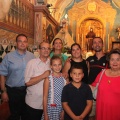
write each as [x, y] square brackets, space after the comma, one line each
[76, 98]
[34, 96]
[96, 66]
[13, 66]
[85, 69]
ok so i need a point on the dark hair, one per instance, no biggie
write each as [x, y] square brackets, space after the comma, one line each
[99, 38]
[20, 35]
[74, 44]
[113, 51]
[76, 67]
[55, 40]
[42, 43]
[55, 57]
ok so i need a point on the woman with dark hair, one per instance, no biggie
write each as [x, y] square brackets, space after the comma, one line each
[76, 59]
[57, 49]
[108, 96]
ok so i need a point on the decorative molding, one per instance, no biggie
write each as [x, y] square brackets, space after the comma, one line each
[98, 11]
[46, 12]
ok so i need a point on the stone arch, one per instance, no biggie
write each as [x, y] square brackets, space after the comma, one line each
[83, 27]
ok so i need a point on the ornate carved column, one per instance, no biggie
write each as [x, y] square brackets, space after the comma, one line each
[42, 20]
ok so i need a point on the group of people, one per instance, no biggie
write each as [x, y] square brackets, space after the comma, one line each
[54, 87]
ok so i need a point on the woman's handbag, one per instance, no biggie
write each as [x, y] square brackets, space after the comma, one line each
[96, 88]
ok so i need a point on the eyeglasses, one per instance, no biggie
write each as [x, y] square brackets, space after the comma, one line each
[20, 41]
[43, 48]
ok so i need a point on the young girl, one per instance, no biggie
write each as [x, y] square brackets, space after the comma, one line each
[52, 91]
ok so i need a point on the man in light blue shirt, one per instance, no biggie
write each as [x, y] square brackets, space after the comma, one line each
[12, 69]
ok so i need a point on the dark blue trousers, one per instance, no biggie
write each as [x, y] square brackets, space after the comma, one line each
[17, 102]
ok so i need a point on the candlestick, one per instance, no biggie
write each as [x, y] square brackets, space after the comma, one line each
[78, 37]
[82, 40]
[108, 41]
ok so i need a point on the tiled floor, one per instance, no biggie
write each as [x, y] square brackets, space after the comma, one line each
[4, 111]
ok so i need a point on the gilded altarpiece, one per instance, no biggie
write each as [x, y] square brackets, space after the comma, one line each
[95, 14]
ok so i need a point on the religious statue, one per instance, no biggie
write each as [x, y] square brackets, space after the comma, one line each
[64, 35]
[90, 37]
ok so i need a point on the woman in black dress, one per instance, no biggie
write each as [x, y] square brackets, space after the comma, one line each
[76, 59]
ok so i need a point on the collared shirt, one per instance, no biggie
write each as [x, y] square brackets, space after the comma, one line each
[34, 96]
[76, 98]
[13, 67]
[96, 66]
[85, 69]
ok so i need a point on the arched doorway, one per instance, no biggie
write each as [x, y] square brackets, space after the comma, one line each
[85, 27]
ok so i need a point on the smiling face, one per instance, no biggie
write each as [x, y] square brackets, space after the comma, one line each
[56, 65]
[57, 45]
[115, 61]
[97, 44]
[76, 51]
[76, 75]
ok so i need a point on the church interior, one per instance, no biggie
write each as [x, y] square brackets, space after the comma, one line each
[71, 20]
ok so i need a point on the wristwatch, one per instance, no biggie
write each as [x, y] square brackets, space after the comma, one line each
[2, 91]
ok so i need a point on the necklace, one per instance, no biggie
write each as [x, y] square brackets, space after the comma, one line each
[109, 81]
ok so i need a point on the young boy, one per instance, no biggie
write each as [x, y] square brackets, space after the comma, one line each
[76, 97]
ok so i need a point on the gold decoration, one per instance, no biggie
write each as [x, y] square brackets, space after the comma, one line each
[92, 6]
[116, 3]
[100, 13]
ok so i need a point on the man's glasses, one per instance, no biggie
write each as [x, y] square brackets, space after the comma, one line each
[43, 48]
[20, 41]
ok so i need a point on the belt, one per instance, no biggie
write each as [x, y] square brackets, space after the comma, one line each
[53, 105]
[17, 88]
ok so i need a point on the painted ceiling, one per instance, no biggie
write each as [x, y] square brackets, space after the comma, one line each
[60, 8]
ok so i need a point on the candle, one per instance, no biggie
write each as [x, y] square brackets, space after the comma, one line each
[89, 27]
[82, 40]
[103, 38]
[72, 35]
[78, 37]
[60, 22]
[108, 41]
